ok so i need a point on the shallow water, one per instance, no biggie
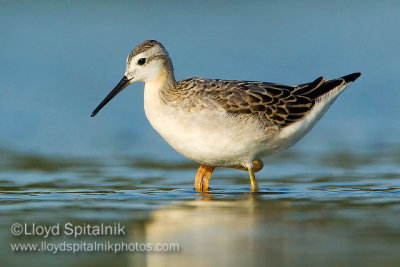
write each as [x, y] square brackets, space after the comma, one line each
[332, 209]
[332, 199]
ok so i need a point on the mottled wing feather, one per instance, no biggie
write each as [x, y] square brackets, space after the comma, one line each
[281, 105]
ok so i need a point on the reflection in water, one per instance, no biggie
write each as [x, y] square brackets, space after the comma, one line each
[258, 231]
[208, 232]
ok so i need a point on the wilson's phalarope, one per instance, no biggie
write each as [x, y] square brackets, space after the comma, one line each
[222, 123]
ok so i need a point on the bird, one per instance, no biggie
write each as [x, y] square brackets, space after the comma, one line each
[224, 123]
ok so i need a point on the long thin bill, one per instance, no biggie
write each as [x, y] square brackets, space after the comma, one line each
[120, 86]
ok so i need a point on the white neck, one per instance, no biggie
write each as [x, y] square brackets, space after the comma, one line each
[153, 104]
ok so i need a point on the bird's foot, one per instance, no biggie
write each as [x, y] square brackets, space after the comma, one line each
[201, 181]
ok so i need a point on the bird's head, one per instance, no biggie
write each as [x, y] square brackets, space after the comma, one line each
[147, 62]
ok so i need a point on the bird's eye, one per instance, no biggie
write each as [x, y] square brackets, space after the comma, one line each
[141, 61]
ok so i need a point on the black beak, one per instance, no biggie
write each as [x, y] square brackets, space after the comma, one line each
[120, 86]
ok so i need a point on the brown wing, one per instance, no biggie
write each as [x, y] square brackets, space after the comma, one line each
[279, 104]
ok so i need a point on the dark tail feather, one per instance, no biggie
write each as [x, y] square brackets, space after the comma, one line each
[320, 87]
[351, 77]
[310, 86]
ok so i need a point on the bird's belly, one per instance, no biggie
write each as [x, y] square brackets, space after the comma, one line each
[210, 137]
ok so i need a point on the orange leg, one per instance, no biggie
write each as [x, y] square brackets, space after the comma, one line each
[205, 172]
[198, 180]
[202, 179]
[207, 177]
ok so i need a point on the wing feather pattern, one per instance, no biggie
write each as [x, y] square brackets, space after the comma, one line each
[280, 104]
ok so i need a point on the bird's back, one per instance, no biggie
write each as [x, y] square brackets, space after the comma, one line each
[278, 104]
